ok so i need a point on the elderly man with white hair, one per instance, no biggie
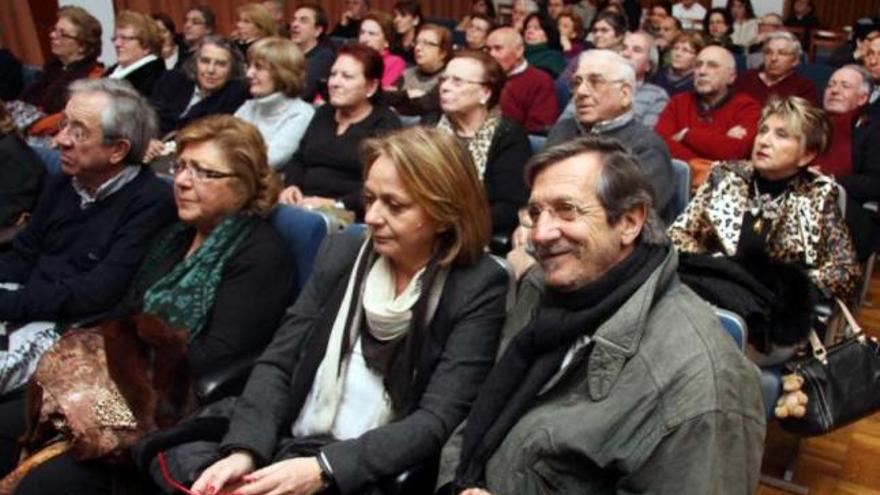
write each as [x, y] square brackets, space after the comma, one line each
[650, 99]
[853, 157]
[777, 77]
[603, 93]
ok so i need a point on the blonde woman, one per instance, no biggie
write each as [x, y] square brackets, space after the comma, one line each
[276, 74]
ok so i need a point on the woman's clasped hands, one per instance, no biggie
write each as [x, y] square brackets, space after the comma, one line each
[235, 475]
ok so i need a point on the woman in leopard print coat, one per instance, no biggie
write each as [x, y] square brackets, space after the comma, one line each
[773, 202]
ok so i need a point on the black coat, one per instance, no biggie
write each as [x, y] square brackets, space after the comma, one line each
[22, 174]
[329, 164]
[144, 78]
[459, 350]
[503, 179]
[174, 91]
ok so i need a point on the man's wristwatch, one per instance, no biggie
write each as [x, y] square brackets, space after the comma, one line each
[326, 472]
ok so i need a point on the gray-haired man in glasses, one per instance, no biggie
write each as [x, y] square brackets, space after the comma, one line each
[92, 226]
[603, 92]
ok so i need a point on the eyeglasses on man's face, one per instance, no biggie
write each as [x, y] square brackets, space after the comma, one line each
[564, 210]
[593, 82]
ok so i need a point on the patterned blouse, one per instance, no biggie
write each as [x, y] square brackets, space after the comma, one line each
[809, 229]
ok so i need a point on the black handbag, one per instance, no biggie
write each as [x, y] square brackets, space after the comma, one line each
[842, 382]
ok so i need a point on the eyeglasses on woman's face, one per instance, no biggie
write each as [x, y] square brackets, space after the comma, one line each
[197, 172]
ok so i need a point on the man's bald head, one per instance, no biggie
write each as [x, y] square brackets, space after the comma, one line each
[506, 46]
[714, 73]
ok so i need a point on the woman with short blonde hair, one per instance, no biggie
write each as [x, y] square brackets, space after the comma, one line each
[254, 23]
[775, 203]
[138, 46]
[276, 74]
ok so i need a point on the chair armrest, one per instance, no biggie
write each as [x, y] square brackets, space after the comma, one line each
[225, 380]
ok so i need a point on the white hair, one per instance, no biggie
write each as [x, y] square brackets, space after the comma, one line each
[621, 68]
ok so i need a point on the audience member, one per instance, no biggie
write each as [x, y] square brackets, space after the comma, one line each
[872, 64]
[407, 20]
[585, 9]
[198, 22]
[308, 30]
[202, 273]
[803, 14]
[12, 69]
[479, 8]
[616, 379]
[765, 204]
[745, 25]
[529, 98]
[659, 10]
[377, 32]
[172, 48]
[349, 25]
[254, 23]
[75, 41]
[91, 227]
[543, 48]
[853, 155]
[650, 100]
[137, 44]
[276, 10]
[769, 23]
[571, 34]
[554, 8]
[326, 171]
[21, 179]
[711, 122]
[608, 30]
[411, 367]
[678, 76]
[603, 88]
[691, 14]
[276, 73]
[519, 10]
[853, 52]
[782, 53]
[478, 31]
[718, 26]
[472, 85]
[670, 28]
[418, 92]
[211, 82]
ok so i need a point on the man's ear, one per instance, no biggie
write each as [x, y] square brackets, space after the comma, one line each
[631, 223]
[120, 150]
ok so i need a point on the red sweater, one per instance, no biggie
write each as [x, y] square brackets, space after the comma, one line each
[837, 159]
[529, 98]
[707, 135]
[793, 85]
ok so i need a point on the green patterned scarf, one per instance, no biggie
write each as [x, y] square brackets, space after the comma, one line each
[185, 295]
